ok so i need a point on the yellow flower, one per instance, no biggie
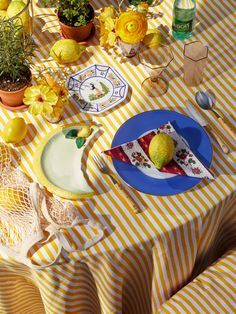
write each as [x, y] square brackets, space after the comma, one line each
[50, 80]
[142, 7]
[110, 24]
[103, 35]
[61, 91]
[40, 99]
[111, 39]
[107, 12]
[131, 27]
[107, 21]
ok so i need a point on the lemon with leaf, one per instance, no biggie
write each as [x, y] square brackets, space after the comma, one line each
[15, 130]
[66, 51]
[161, 149]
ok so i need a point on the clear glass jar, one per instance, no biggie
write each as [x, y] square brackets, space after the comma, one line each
[24, 16]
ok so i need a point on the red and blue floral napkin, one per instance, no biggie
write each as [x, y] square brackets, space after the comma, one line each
[184, 162]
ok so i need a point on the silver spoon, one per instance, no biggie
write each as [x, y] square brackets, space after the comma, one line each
[205, 102]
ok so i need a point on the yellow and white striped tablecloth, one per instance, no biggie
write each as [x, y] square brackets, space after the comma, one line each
[213, 291]
[144, 258]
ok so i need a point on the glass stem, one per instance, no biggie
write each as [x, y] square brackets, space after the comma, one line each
[154, 78]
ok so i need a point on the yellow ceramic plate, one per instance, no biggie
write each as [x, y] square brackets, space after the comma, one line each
[58, 161]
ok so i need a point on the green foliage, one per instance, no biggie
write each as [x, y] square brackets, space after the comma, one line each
[104, 88]
[136, 2]
[16, 48]
[72, 12]
[75, 12]
[80, 142]
[72, 134]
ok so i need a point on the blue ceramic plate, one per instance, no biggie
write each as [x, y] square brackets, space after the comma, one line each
[189, 129]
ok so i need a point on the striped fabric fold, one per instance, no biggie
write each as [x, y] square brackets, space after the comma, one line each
[214, 291]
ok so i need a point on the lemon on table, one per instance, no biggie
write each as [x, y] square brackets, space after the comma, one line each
[66, 51]
[4, 4]
[161, 149]
[154, 38]
[15, 130]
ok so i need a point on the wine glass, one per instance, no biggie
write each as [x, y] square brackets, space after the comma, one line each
[155, 59]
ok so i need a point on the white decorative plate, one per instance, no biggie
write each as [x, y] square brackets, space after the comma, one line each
[58, 162]
[97, 88]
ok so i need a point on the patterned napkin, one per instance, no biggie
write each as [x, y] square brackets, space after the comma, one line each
[184, 163]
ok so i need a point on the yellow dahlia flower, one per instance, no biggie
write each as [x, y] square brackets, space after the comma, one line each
[40, 99]
[131, 27]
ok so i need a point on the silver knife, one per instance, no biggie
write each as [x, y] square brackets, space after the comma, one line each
[200, 119]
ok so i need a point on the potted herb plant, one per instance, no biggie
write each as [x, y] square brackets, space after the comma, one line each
[16, 48]
[75, 18]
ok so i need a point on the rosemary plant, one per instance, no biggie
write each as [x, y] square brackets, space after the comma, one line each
[16, 48]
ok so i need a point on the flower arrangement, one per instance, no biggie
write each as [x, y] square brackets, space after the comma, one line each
[47, 98]
[129, 26]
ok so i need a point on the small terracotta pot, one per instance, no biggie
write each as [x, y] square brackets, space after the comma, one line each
[78, 33]
[13, 99]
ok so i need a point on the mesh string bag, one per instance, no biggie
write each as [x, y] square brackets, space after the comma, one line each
[26, 211]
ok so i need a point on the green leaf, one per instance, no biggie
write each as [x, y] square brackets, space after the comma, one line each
[80, 142]
[72, 134]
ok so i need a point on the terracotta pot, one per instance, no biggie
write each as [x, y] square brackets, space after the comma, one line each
[13, 99]
[78, 33]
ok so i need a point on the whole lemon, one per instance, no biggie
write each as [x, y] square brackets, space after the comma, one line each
[154, 38]
[4, 4]
[11, 199]
[16, 7]
[15, 130]
[66, 51]
[161, 149]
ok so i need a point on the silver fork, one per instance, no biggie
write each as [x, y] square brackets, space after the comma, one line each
[103, 168]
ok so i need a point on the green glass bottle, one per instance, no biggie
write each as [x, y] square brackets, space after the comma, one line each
[183, 17]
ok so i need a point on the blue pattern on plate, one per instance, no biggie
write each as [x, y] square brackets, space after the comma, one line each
[118, 94]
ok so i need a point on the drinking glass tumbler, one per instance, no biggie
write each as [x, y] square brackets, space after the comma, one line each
[195, 59]
[156, 60]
